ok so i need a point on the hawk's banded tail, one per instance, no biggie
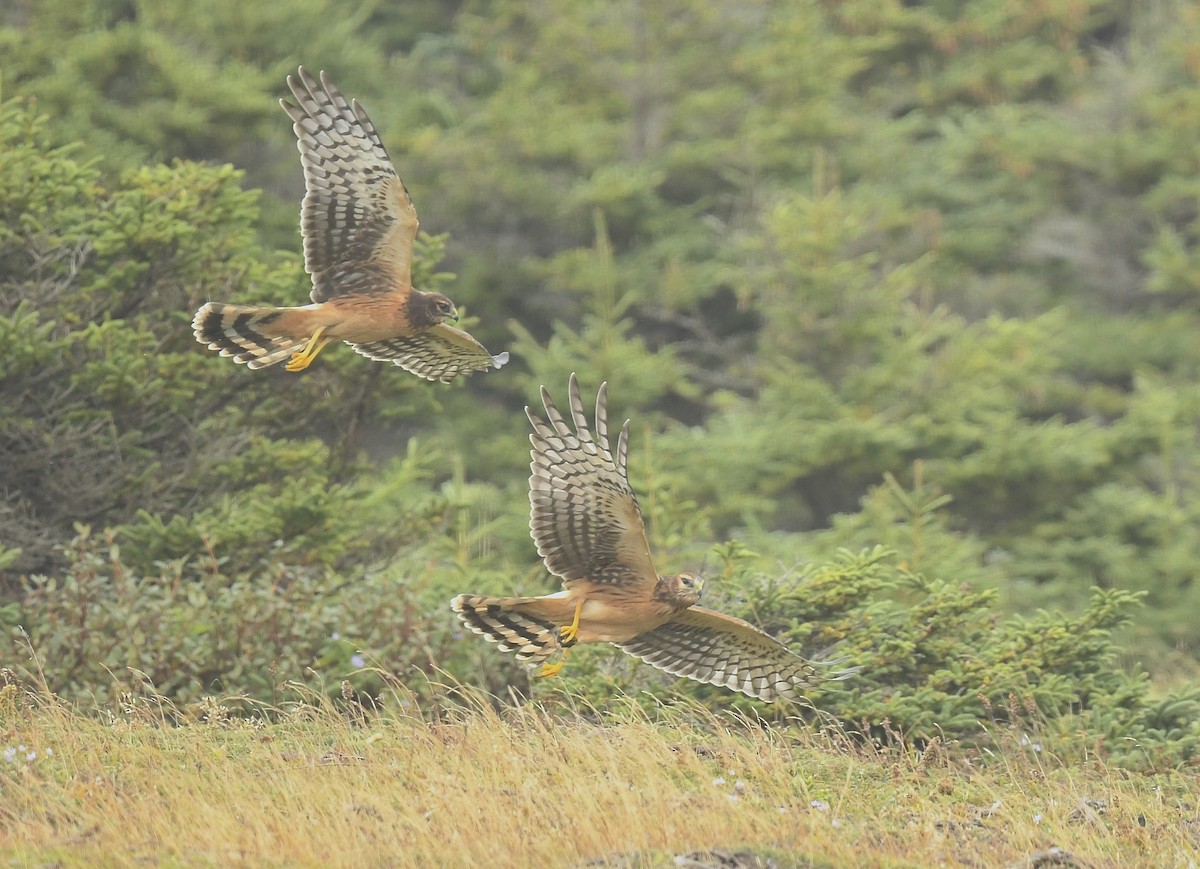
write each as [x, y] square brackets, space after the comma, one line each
[508, 622]
[248, 333]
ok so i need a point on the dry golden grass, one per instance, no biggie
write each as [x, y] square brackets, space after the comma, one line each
[525, 788]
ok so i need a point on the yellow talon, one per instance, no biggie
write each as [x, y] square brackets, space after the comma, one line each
[568, 634]
[304, 358]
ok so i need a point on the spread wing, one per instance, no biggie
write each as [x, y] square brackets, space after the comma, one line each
[357, 219]
[584, 517]
[439, 353]
[722, 650]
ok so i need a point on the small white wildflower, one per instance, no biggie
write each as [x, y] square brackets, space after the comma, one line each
[21, 748]
[739, 785]
[335, 636]
[358, 661]
[733, 798]
[835, 823]
[820, 805]
[31, 756]
[1037, 819]
[49, 751]
[781, 809]
[718, 781]
[10, 754]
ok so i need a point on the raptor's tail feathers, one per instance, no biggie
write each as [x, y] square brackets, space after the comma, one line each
[244, 333]
[501, 621]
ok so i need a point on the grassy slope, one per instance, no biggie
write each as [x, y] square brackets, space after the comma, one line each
[524, 789]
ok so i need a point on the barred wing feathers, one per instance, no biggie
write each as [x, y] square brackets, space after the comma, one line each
[357, 219]
[439, 353]
[584, 516]
[722, 650]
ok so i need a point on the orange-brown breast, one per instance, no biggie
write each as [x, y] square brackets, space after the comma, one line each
[611, 613]
[358, 319]
[363, 319]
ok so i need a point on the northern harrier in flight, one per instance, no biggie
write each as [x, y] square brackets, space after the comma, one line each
[358, 224]
[588, 529]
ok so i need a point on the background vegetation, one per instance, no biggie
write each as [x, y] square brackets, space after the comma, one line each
[901, 297]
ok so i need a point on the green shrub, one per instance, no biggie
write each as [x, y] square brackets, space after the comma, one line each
[935, 660]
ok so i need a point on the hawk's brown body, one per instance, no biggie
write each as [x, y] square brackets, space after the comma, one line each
[358, 225]
[588, 529]
[610, 614]
[354, 319]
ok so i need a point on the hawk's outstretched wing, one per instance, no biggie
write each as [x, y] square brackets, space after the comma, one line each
[357, 219]
[722, 650]
[584, 517]
[439, 353]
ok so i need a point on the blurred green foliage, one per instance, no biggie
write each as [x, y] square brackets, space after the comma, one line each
[920, 276]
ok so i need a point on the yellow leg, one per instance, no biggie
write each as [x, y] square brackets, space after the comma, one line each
[304, 358]
[555, 668]
[567, 635]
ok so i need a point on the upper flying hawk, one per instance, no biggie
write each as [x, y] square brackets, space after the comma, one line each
[358, 224]
[588, 529]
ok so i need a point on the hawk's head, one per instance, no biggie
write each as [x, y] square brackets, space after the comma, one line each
[429, 309]
[682, 590]
[443, 308]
